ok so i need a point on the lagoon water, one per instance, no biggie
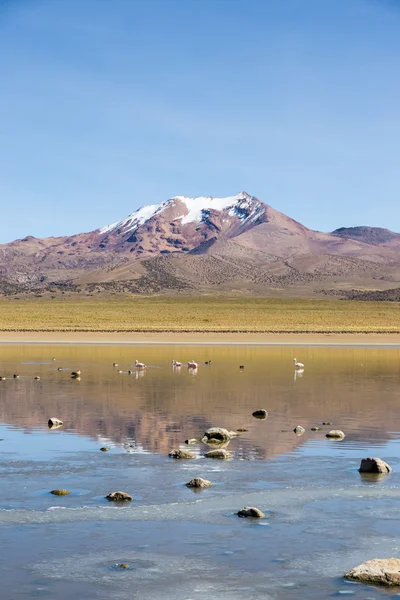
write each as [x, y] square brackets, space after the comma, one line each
[322, 516]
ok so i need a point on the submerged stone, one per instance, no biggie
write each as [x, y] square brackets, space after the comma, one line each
[119, 497]
[60, 492]
[182, 454]
[221, 453]
[198, 482]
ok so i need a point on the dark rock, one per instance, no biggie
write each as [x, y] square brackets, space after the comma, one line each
[374, 465]
[251, 511]
[260, 414]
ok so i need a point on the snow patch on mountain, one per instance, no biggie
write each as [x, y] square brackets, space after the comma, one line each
[242, 206]
[196, 206]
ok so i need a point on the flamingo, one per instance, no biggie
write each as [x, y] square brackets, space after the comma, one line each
[139, 365]
[176, 364]
[192, 365]
[298, 365]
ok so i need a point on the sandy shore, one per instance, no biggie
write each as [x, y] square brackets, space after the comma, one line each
[203, 339]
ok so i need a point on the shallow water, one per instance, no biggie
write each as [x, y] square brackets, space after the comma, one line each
[322, 517]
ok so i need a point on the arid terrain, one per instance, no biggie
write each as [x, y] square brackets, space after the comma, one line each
[235, 245]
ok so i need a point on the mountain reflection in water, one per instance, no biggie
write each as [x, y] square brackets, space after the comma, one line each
[356, 389]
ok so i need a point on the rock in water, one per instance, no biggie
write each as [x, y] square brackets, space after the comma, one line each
[374, 465]
[251, 511]
[54, 422]
[119, 497]
[181, 454]
[335, 434]
[314, 428]
[216, 435]
[220, 453]
[260, 414]
[60, 492]
[198, 482]
[385, 571]
[299, 430]
[105, 449]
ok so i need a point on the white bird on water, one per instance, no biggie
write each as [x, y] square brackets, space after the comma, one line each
[298, 365]
[139, 365]
[192, 365]
[176, 364]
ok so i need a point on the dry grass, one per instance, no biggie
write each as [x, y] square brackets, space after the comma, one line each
[160, 314]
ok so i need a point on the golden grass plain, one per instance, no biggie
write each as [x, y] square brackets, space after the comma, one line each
[202, 314]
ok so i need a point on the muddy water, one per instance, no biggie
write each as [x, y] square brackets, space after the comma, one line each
[322, 517]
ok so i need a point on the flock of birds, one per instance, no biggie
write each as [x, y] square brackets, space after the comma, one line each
[176, 365]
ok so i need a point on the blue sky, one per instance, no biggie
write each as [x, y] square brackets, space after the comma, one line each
[106, 106]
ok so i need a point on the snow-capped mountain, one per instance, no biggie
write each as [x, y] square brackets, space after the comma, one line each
[232, 243]
[182, 223]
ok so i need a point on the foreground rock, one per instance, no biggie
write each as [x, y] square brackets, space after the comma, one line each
[384, 571]
[374, 465]
[182, 454]
[119, 497]
[216, 435]
[260, 414]
[335, 434]
[299, 430]
[54, 422]
[60, 492]
[221, 453]
[251, 511]
[198, 482]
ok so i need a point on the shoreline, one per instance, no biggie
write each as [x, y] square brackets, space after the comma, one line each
[201, 339]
